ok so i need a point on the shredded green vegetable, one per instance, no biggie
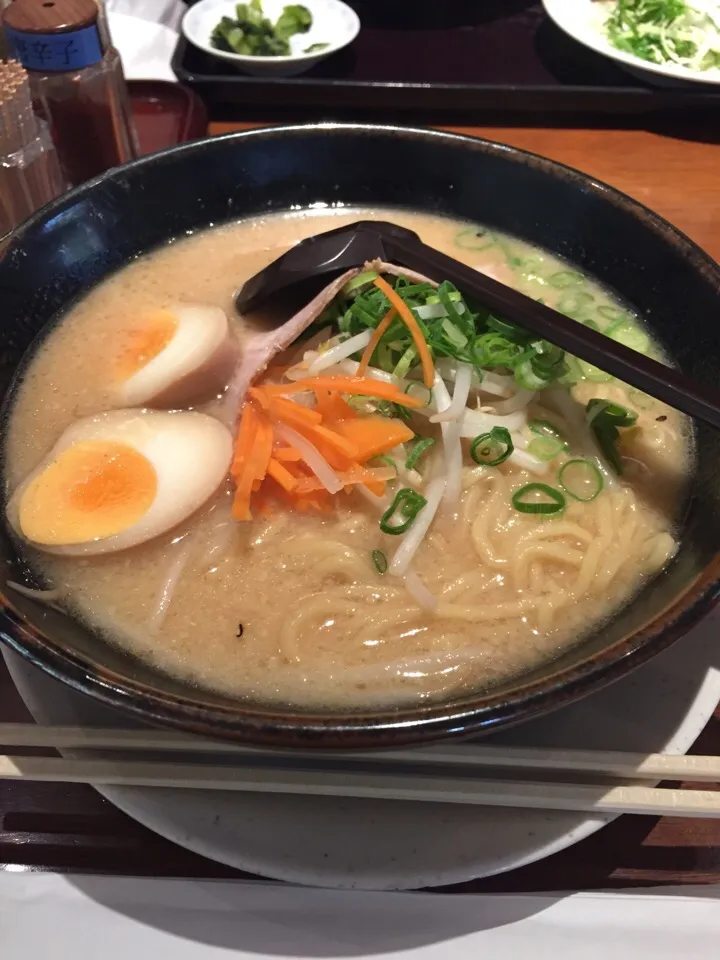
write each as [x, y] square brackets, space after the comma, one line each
[452, 328]
[380, 561]
[460, 331]
[251, 33]
[682, 32]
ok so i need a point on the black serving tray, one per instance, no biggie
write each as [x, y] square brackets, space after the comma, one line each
[468, 58]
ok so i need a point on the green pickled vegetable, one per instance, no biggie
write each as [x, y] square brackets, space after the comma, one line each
[250, 33]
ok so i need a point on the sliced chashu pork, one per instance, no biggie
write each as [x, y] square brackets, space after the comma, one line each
[261, 349]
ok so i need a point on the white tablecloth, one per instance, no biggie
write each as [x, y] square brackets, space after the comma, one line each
[46, 917]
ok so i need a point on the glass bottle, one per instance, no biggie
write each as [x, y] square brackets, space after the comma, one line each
[76, 80]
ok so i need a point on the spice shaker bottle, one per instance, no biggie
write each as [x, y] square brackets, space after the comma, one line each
[29, 171]
[3, 46]
[76, 80]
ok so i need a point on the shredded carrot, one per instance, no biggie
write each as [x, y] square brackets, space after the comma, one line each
[244, 469]
[262, 448]
[355, 475]
[293, 413]
[373, 435]
[359, 386]
[317, 432]
[286, 454]
[375, 340]
[245, 437]
[376, 487]
[332, 406]
[335, 457]
[266, 470]
[266, 506]
[259, 394]
[320, 501]
[411, 323]
[282, 476]
[251, 460]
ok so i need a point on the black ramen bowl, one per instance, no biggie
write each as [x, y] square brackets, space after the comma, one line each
[78, 241]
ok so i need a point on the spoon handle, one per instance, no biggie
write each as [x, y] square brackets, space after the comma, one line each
[652, 377]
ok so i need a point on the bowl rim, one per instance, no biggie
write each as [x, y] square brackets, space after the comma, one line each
[595, 41]
[239, 58]
[260, 724]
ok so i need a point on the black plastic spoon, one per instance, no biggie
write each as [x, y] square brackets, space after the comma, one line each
[353, 245]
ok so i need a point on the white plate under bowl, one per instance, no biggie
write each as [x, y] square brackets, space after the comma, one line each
[334, 23]
[392, 845]
[582, 19]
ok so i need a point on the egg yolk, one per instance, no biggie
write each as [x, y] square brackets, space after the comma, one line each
[91, 491]
[145, 343]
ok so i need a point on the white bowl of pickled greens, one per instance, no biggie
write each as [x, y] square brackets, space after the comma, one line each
[271, 38]
[666, 42]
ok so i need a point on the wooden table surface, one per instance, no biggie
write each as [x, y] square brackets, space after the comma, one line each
[45, 826]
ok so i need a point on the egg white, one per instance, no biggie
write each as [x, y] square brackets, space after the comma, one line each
[190, 453]
[193, 366]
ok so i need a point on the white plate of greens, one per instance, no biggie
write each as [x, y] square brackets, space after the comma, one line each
[271, 38]
[665, 41]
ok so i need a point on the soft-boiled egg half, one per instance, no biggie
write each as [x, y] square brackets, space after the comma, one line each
[117, 479]
[174, 357]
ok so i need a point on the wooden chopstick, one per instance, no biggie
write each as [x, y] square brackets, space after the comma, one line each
[591, 798]
[471, 757]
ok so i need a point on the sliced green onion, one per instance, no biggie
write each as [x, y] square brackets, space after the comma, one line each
[527, 377]
[611, 313]
[591, 372]
[405, 362]
[508, 330]
[630, 336]
[525, 500]
[565, 278]
[384, 357]
[545, 448]
[417, 451]
[572, 373]
[604, 418]
[547, 355]
[531, 263]
[357, 283]
[419, 391]
[456, 336]
[380, 561]
[494, 350]
[572, 304]
[474, 238]
[618, 415]
[580, 479]
[492, 449]
[543, 428]
[407, 504]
